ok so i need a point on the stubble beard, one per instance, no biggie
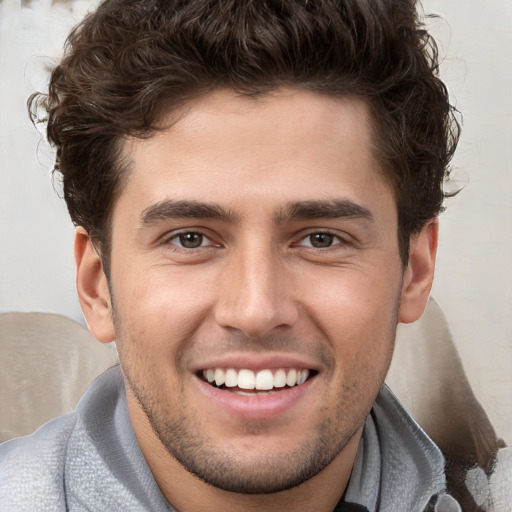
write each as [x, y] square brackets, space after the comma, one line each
[229, 469]
[184, 439]
[182, 432]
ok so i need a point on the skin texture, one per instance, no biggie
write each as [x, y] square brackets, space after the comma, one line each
[255, 183]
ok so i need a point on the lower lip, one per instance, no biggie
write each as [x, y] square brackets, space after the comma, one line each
[257, 406]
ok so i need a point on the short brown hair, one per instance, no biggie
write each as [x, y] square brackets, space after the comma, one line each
[131, 60]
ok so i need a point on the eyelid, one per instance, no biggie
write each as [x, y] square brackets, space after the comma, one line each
[168, 238]
[341, 239]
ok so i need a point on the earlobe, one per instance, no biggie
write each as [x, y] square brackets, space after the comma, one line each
[419, 274]
[92, 287]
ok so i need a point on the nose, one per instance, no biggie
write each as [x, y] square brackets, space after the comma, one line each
[256, 295]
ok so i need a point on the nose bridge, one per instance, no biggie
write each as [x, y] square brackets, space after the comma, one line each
[255, 297]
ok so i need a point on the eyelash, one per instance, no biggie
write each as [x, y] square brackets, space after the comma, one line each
[178, 236]
[335, 240]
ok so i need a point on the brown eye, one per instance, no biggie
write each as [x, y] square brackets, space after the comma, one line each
[320, 240]
[190, 240]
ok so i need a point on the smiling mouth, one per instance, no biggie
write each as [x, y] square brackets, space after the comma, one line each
[250, 383]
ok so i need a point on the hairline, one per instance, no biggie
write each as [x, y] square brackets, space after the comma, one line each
[172, 114]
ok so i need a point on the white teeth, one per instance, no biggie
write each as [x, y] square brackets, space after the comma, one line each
[264, 380]
[231, 380]
[219, 377]
[302, 376]
[291, 378]
[246, 379]
[280, 379]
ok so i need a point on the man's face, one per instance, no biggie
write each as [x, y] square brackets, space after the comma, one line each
[255, 243]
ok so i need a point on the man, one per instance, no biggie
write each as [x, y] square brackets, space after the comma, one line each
[256, 188]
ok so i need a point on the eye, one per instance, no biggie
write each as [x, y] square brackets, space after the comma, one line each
[320, 240]
[190, 240]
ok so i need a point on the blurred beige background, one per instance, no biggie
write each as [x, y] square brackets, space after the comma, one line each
[474, 277]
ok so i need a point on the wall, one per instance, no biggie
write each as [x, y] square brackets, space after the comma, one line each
[474, 276]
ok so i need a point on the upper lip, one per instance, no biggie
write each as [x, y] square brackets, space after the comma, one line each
[256, 362]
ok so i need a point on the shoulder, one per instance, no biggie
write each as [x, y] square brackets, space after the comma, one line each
[412, 466]
[34, 468]
[31, 467]
[410, 457]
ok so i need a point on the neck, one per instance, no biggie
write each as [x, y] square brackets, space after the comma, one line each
[187, 493]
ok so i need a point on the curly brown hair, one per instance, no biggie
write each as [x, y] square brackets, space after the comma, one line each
[133, 60]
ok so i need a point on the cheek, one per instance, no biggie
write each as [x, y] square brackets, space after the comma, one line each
[352, 299]
[156, 316]
[357, 313]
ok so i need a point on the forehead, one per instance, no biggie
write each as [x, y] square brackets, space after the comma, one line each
[271, 150]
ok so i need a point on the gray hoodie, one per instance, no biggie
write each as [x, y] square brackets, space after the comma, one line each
[89, 460]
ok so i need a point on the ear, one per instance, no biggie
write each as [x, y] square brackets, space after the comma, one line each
[419, 274]
[92, 287]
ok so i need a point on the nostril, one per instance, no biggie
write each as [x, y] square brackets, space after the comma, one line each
[259, 305]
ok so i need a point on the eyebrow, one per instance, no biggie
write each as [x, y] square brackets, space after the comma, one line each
[324, 209]
[172, 209]
[317, 209]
